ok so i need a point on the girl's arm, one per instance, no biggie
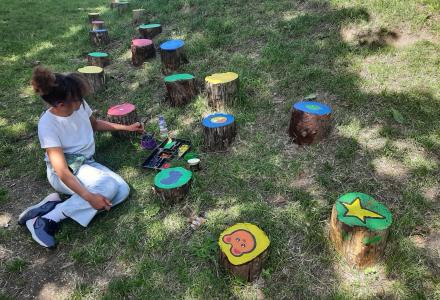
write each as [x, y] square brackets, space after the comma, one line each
[101, 125]
[58, 162]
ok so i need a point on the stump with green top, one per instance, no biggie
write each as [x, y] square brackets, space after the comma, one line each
[181, 89]
[99, 59]
[149, 31]
[359, 228]
[173, 184]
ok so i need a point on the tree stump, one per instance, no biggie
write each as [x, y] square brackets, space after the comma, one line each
[149, 31]
[122, 114]
[172, 56]
[181, 89]
[310, 122]
[141, 49]
[243, 250]
[99, 37]
[121, 7]
[221, 89]
[93, 17]
[97, 25]
[219, 131]
[138, 16]
[359, 228]
[113, 4]
[95, 76]
[172, 185]
[99, 59]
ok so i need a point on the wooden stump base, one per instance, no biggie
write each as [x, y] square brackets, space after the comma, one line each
[172, 56]
[95, 76]
[173, 184]
[141, 49]
[310, 122]
[219, 131]
[138, 16]
[149, 31]
[221, 89]
[359, 229]
[181, 89]
[123, 114]
[243, 250]
[99, 37]
[93, 17]
[99, 59]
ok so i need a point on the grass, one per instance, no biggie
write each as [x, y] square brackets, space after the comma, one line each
[386, 143]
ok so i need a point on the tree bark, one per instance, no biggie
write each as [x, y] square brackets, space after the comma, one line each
[138, 16]
[249, 271]
[126, 119]
[95, 76]
[221, 89]
[97, 25]
[141, 49]
[99, 59]
[172, 60]
[93, 17]
[219, 138]
[99, 37]
[181, 89]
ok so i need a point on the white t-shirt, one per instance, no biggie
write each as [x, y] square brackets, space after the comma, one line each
[74, 134]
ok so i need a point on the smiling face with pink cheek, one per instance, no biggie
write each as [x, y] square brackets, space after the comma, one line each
[242, 241]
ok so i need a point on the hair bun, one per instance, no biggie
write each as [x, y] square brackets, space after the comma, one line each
[43, 80]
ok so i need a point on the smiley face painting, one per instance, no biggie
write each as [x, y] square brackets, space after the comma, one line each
[243, 242]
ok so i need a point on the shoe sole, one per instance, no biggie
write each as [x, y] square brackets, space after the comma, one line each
[30, 226]
[41, 203]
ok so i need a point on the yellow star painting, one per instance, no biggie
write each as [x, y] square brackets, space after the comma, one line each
[355, 209]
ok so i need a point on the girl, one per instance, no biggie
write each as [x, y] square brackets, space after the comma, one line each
[66, 132]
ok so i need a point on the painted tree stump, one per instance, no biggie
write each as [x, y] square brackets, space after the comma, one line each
[122, 114]
[113, 4]
[95, 76]
[359, 228]
[93, 17]
[149, 31]
[97, 25]
[141, 49]
[172, 55]
[221, 89]
[181, 89]
[172, 185]
[310, 122]
[120, 6]
[138, 16]
[99, 37]
[219, 131]
[99, 59]
[243, 250]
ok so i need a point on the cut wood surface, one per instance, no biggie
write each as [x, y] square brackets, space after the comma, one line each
[173, 184]
[149, 31]
[125, 114]
[221, 89]
[95, 76]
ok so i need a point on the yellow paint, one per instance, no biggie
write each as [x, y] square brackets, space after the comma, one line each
[219, 120]
[247, 251]
[355, 209]
[221, 77]
[90, 70]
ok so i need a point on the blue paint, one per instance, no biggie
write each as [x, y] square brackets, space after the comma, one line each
[172, 45]
[173, 177]
[208, 123]
[313, 107]
[98, 30]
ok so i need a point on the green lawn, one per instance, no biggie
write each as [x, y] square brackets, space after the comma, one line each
[375, 62]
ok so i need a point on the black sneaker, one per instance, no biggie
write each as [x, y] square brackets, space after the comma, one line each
[42, 208]
[43, 231]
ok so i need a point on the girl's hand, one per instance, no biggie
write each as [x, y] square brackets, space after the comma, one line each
[99, 202]
[137, 127]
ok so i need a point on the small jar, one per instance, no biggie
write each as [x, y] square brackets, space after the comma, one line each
[194, 164]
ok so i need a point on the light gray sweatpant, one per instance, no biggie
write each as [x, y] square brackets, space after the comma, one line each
[97, 179]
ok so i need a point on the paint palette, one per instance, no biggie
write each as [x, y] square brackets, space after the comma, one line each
[168, 150]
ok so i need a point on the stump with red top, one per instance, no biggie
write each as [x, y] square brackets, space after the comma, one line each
[97, 24]
[310, 122]
[149, 31]
[141, 49]
[122, 114]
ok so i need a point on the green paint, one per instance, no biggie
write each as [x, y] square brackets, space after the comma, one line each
[368, 203]
[164, 174]
[98, 54]
[169, 144]
[372, 240]
[177, 77]
[313, 107]
[190, 155]
[146, 26]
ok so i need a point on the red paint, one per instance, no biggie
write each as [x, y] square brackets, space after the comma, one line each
[142, 42]
[121, 109]
[97, 22]
[165, 166]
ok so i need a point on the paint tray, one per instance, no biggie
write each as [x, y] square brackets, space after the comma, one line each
[166, 152]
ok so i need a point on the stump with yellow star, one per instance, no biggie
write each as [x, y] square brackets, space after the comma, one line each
[359, 228]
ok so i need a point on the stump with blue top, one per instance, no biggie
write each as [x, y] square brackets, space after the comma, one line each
[219, 131]
[172, 55]
[310, 122]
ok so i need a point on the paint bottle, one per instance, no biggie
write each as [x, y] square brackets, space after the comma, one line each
[163, 130]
